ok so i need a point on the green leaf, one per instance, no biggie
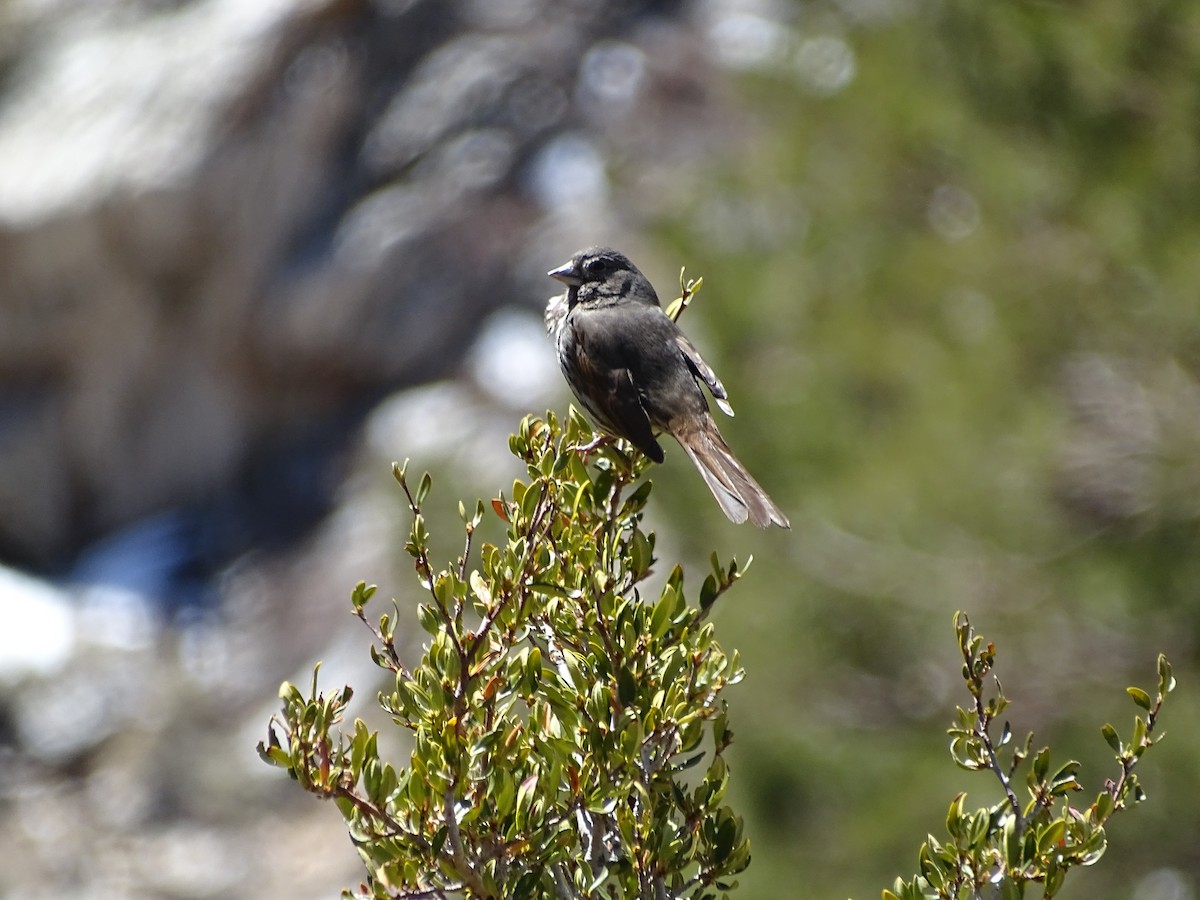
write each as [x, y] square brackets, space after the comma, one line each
[362, 593]
[480, 588]
[954, 815]
[1166, 681]
[533, 670]
[1110, 736]
[1140, 697]
[1051, 836]
[275, 755]
[429, 618]
[627, 689]
[1138, 743]
[637, 500]
[1055, 875]
[664, 610]
[727, 832]
[529, 502]
[1041, 765]
[641, 553]
[1103, 807]
[977, 829]
[1064, 779]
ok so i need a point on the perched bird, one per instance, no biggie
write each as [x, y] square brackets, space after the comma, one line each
[638, 375]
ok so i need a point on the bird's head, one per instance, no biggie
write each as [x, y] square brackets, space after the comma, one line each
[601, 275]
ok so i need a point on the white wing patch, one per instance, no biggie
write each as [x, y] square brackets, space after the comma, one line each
[704, 372]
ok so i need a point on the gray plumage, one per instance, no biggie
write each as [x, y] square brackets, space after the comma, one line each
[637, 375]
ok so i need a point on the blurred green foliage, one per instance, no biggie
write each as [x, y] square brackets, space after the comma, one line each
[955, 305]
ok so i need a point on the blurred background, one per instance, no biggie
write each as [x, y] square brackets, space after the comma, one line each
[251, 251]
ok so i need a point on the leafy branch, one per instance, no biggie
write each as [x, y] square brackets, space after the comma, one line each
[560, 717]
[999, 851]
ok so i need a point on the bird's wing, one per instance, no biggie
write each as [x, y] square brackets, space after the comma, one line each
[617, 400]
[704, 372]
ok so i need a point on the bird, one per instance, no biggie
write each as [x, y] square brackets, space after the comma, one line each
[637, 375]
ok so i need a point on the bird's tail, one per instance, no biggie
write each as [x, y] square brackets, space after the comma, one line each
[738, 494]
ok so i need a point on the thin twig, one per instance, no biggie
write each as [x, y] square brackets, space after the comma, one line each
[364, 806]
[462, 560]
[562, 887]
[430, 894]
[426, 569]
[983, 721]
[468, 874]
[536, 523]
[1130, 758]
[390, 657]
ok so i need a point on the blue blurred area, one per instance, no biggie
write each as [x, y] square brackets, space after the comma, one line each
[158, 562]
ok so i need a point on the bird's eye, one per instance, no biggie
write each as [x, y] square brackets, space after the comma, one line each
[594, 266]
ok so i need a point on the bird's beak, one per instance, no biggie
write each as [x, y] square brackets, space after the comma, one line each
[567, 274]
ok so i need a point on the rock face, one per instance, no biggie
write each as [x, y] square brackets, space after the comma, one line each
[226, 227]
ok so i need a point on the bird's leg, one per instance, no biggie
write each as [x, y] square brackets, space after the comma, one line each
[598, 441]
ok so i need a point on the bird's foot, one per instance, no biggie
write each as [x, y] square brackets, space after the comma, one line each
[585, 450]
